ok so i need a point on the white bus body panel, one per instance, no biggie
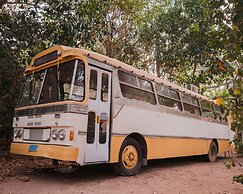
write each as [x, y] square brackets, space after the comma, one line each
[164, 124]
[68, 121]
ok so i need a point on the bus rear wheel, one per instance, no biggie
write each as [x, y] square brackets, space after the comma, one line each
[130, 158]
[212, 153]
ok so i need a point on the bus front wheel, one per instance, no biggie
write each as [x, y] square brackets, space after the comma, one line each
[212, 153]
[130, 158]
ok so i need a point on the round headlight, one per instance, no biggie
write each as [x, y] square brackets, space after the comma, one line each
[20, 133]
[16, 133]
[54, 134]
[62, 134]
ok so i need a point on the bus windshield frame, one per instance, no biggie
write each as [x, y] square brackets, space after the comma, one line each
[65, 81]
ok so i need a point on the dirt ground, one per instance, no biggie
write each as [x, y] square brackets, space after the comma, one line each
[28, 175]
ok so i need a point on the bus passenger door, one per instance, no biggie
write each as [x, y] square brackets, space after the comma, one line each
[98, 129]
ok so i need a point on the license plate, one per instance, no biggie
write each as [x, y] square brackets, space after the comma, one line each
[33, 148]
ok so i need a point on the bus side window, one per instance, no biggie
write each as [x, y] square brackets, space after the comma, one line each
[190, 104]
[103, 128]
[91, 127]
[136, 88]
[207, 109]
[128, 78]
[192, 109]
[145, 85]
[93, 84]
[137, 94]
[217, 112]
[168, 97]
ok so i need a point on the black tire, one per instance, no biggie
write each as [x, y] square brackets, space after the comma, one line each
[130, 158]
[212, 152]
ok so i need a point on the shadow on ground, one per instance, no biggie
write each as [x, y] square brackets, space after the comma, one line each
[75, 173]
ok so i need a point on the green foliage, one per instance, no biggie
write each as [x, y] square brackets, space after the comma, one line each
[28, 27]
[185, 37]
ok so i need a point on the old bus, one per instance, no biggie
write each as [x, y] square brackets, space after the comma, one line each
[85, 107]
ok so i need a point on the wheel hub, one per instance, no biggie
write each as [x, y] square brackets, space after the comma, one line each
[129, 157]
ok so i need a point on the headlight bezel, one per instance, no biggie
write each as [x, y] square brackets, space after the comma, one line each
[62, 134]
[54, 134]
[18, 133]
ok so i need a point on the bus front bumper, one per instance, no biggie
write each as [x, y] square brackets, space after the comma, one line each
[49, 151]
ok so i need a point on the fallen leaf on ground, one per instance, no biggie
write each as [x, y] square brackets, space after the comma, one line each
[24, 178]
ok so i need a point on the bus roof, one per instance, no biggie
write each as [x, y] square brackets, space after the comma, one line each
[67, 51]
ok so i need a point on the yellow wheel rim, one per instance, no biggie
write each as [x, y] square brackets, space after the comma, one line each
[129, 157]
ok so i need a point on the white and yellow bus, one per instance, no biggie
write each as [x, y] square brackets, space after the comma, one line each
[85, 107]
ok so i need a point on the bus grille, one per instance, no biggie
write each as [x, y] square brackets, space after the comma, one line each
[37, 134]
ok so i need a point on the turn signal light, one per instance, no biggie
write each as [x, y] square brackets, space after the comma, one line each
[71, 137]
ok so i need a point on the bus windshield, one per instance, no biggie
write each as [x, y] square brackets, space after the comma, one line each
[57, 83]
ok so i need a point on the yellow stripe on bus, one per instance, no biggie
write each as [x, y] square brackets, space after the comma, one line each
[169, 147]
[48, 151]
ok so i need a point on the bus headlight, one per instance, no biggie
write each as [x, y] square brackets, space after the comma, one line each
[18, 133]
[62, 134]
[15, 133]
[54, 134]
